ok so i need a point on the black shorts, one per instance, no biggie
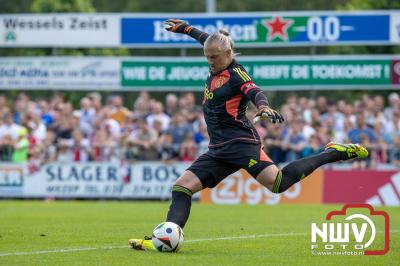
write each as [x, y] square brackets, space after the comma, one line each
[217, 163]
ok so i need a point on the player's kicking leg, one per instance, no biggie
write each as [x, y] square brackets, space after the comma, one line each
[279, 181]
[179, 210]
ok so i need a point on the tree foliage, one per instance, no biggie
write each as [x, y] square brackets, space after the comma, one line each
[15, 6]
[369, 5]
[62, 6]
[282, 5]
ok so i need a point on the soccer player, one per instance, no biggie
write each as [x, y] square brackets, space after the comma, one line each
[234, 142]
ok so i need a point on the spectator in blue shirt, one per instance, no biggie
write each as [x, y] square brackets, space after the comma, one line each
[361, 129]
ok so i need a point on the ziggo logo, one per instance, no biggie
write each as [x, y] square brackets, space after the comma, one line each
[237, 189]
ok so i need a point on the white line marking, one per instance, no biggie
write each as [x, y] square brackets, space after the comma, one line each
[66, 250]
[244, 237]
[126, 246]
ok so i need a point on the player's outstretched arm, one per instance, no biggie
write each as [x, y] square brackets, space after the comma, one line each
[181, 26]
[258, 98]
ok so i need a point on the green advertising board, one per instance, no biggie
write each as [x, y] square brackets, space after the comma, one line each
[164, 73]
[190, 73]
[270, 73]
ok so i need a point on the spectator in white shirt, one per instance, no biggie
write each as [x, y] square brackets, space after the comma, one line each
[8, 127]
[157, 113]
[87, 115]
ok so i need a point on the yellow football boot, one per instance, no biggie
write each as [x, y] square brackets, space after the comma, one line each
[353, 151]
[141, 244]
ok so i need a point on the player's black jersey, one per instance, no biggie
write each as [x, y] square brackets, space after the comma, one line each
[226, 95]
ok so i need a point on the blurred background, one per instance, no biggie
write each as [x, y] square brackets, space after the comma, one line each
[97, 100]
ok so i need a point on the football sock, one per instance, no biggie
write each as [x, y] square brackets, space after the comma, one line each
[299, 169]
[179, 209]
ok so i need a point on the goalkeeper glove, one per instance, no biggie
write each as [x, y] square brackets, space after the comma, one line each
[178, 26]
[265, 112]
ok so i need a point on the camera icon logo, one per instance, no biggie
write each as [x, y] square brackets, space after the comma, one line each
[351, 231]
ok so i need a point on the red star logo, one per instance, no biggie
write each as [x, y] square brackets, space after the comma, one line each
[277, 27]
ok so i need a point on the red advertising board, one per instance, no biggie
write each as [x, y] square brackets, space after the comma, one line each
[395, 71]
[323, 186]
[361, 186]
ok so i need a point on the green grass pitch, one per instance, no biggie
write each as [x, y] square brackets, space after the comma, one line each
[96, 233]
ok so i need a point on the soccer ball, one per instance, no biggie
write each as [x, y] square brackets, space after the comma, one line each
[168, 237]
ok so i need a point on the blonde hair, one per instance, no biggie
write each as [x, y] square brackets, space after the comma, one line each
[222, 38]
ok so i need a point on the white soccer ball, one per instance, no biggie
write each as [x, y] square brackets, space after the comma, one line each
[168, 237]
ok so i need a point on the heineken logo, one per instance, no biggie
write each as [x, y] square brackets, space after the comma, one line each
[239, 32]
[277, 28]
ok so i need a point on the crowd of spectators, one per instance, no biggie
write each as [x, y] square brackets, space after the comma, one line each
[313, 123]
[39, 131]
